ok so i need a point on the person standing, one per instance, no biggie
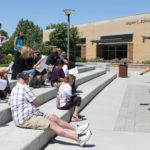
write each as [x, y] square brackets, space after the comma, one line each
[18, 43]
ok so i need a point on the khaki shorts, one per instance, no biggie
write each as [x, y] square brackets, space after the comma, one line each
[36, 122]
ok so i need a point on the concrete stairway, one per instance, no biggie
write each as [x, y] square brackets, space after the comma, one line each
[90, 83]
[47, 93]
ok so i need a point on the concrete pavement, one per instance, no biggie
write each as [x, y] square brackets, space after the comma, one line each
[117, 118]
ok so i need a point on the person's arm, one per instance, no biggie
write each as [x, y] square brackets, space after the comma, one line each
[147, 70]
[3, 37]
[61, 79]
[15, 45]
[36, 102]
[65, 61]
[36, 66]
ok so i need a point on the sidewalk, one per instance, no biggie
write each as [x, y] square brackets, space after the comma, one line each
[117, 119]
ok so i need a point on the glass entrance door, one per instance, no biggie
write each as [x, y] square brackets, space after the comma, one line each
[109, 52]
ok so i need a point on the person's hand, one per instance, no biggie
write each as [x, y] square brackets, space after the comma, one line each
[19, 50]
[141, 73]
[68, 100]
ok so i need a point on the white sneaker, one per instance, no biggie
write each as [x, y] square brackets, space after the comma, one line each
[83, 138]
[81, 128]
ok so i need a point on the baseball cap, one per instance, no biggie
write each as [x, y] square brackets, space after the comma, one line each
[23, 75]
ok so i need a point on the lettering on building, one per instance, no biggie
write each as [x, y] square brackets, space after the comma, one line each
[142, 21]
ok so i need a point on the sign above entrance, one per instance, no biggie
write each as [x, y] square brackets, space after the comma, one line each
[138, 22]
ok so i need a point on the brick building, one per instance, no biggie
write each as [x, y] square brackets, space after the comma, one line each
[122, 37]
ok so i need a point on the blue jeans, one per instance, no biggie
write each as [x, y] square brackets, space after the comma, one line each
[30, 72]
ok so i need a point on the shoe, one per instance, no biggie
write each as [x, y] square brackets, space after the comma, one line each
[74, 118]
[81, 116]
[83, 138]
[81, 128]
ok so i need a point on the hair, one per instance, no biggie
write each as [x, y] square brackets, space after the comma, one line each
[25, 52]
[0, 24]
[37, 52]
[18, 34]
[59, 62]
[69, 77]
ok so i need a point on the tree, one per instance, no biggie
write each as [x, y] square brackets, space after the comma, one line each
[32, 37]
[32, 33]
[51, 26]
[59, 37]
[3, 33]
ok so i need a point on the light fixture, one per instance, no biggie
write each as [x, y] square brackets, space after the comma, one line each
[68, 12]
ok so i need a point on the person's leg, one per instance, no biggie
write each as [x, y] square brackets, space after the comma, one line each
[51, 122]
[61, 131]
[6, 78]
[62, 123]
[76, 101]
[30, 72]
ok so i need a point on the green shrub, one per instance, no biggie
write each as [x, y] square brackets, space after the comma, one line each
[7, 59]
[146, 62]
[80, 59]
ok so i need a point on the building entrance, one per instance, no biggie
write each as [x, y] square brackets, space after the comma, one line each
[112, 51]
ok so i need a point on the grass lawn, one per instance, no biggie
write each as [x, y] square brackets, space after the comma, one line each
[4, 65]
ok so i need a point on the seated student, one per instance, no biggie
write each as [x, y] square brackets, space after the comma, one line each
[41, 72]
[20, 62]
[4, 82]
[6, 70]
[52, 59]
[4, 85]
[26, 114]
[29, 64]
[57, 75]
[65, 99]
[63, 57]
[51, 62]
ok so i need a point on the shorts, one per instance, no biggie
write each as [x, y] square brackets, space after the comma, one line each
[36, 122]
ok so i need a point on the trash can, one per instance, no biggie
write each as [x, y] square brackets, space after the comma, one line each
[123, 69]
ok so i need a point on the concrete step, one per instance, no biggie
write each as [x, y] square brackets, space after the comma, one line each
[80, 70]
[47, 93]
[36, 139]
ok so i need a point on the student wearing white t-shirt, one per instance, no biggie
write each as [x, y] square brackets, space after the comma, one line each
[65, 99]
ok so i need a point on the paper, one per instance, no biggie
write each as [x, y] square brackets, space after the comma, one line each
[3, 84]
[73, 71]
[10, 65]
[42, 64]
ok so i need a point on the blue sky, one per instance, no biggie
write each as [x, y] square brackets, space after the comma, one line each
[45, 12]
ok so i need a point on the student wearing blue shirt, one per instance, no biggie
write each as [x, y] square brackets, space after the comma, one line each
[18, 43]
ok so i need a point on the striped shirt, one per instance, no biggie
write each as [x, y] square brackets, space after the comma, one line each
[21, 103]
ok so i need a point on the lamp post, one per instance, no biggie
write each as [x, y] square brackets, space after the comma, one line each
[68, 12]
